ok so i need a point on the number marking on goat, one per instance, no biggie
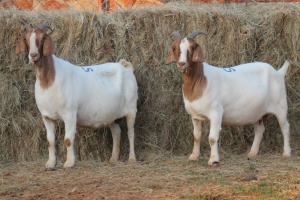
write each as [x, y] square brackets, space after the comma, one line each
[87, 69]
[229, 69]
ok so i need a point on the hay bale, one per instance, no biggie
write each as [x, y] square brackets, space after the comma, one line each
[236, 34]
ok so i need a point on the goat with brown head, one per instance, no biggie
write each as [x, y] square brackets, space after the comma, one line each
[216, 95]
[38, 46]
[36, 42]
[185, 51]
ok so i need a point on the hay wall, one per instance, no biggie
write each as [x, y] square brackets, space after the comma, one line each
[236, 34]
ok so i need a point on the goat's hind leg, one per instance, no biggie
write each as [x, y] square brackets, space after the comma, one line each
[116, 134]
[130, 125]
[50, 128]
[259, 129]
[285, 129]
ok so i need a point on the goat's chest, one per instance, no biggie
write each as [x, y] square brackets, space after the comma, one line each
[197, 108]
[49, 102]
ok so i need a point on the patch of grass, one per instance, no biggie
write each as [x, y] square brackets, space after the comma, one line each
[262, 189]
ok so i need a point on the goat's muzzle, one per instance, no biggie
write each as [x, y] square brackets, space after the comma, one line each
[181, 66]
[34, 57]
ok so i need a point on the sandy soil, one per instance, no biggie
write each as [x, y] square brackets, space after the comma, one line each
[160, 177]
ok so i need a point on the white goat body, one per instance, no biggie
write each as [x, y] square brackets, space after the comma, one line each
[243, 93]
[238, 95]
[98, 94]
[90, 96]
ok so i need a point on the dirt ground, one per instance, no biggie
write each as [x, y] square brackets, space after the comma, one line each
[160, 177]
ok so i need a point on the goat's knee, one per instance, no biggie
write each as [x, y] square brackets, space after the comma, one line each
[70, 162]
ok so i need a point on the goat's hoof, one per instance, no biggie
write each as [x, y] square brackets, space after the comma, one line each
[113, 160]
[132, 160]
[287, 155]
[69, 164]
[50, 164]
[193, 157]
[251, 155]
[211, 162]
[215, 164]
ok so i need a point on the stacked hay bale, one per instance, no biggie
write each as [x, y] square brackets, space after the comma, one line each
[236, 34]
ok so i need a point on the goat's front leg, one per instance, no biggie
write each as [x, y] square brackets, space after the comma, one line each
[50, 128]
[70, 126]
[197, 138]
[215, 128]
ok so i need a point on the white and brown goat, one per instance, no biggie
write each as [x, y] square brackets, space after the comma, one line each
[238, 95]
[90, 96]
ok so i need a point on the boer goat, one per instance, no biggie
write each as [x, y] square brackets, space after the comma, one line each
[90, 96]
[238, 95]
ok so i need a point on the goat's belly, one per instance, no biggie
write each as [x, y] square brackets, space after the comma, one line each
[233, 114]
[98, 116]
[241, 119]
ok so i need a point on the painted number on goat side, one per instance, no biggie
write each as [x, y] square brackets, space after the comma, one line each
[229, 69]
[87, 69]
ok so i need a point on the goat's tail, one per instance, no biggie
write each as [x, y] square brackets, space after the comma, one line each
[284, 68]
[126, 64]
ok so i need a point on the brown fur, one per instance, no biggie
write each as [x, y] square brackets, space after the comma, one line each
[212, 141]
[45, 71]
[67, 142]
[197, 141]
[194, 80]
[44, 66]
[173, 52]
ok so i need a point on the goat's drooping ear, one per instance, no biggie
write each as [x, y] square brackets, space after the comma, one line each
[170, 57]
[198, 54]
[21, 46]
[47, 46]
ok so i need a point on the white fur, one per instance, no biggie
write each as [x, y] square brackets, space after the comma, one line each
[238, 96]
[92, 96]
[184, 47]
[33, 48]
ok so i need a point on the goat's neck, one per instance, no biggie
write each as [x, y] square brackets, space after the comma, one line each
[194, 81]
[45, 71]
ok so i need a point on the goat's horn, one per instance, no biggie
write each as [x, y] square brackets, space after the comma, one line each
[176, 35]
[45, 26]
[196, 33]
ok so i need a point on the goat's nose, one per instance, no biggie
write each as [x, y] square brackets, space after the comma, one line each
[33, 55]
[181, 64]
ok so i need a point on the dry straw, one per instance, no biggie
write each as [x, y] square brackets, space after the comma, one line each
[236, 34]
